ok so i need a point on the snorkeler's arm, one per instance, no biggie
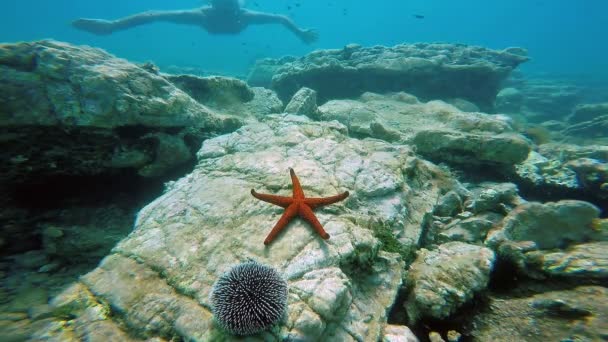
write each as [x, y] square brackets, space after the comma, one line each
[99, 26]
[258, 18]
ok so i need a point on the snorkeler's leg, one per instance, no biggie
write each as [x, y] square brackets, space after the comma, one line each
[104, 27]
[95, 26]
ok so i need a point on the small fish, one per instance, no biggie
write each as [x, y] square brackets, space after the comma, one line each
[418, 16]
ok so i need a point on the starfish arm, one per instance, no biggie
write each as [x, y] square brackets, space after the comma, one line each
[307, 214]
[315, 202]
[281, 201]
[289, 213]
[297, 188]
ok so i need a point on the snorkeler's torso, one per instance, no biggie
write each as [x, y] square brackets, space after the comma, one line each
[224, 21]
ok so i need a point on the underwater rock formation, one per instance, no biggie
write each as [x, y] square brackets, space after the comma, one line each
[99, 230]
[592, 174]
[229, 97]
[91, 113]
[544, 172]
[589, 124]
[212, 91]
[444, 279]
[539, 99]
[429, 71]
[265, 101]
[304, 102]
[467, 215]
[467, 148]
[549, 225]
[587, 112]
[74, 240]
[408, 243]
[593, 130]
[576, 314]
[341, 288]
[439, 131]
[568, 152]
[584, 261]
[567, 169]
[263, 70]
[553, 239]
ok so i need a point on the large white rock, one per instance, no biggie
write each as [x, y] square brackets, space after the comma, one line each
[157, 281]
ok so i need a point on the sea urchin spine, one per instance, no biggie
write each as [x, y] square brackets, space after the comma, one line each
[249, 298]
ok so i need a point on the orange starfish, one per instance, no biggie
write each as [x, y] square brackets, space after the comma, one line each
[297, 205]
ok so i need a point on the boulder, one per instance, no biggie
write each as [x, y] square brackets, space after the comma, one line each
[265, 101]
[304, 102]
[90, 113]
[470, 230]
[543, 172]
[472, 149]
[213, 91]
[588, 112]
[583, 261]
[493, 197]
[429, 71]
[438, 130]
[478, 209]
[562, 239]
[263, 70]
[229, 96]
[443, 280]
[157, 281]
[449, 204]
[568, 170]
[549, 225]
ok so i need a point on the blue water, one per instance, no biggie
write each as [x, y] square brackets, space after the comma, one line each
[562, 36]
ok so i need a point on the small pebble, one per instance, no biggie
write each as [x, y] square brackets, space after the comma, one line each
[454, 336]
[435, 337]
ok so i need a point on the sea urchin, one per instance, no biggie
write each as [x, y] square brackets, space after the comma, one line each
[249, 298]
